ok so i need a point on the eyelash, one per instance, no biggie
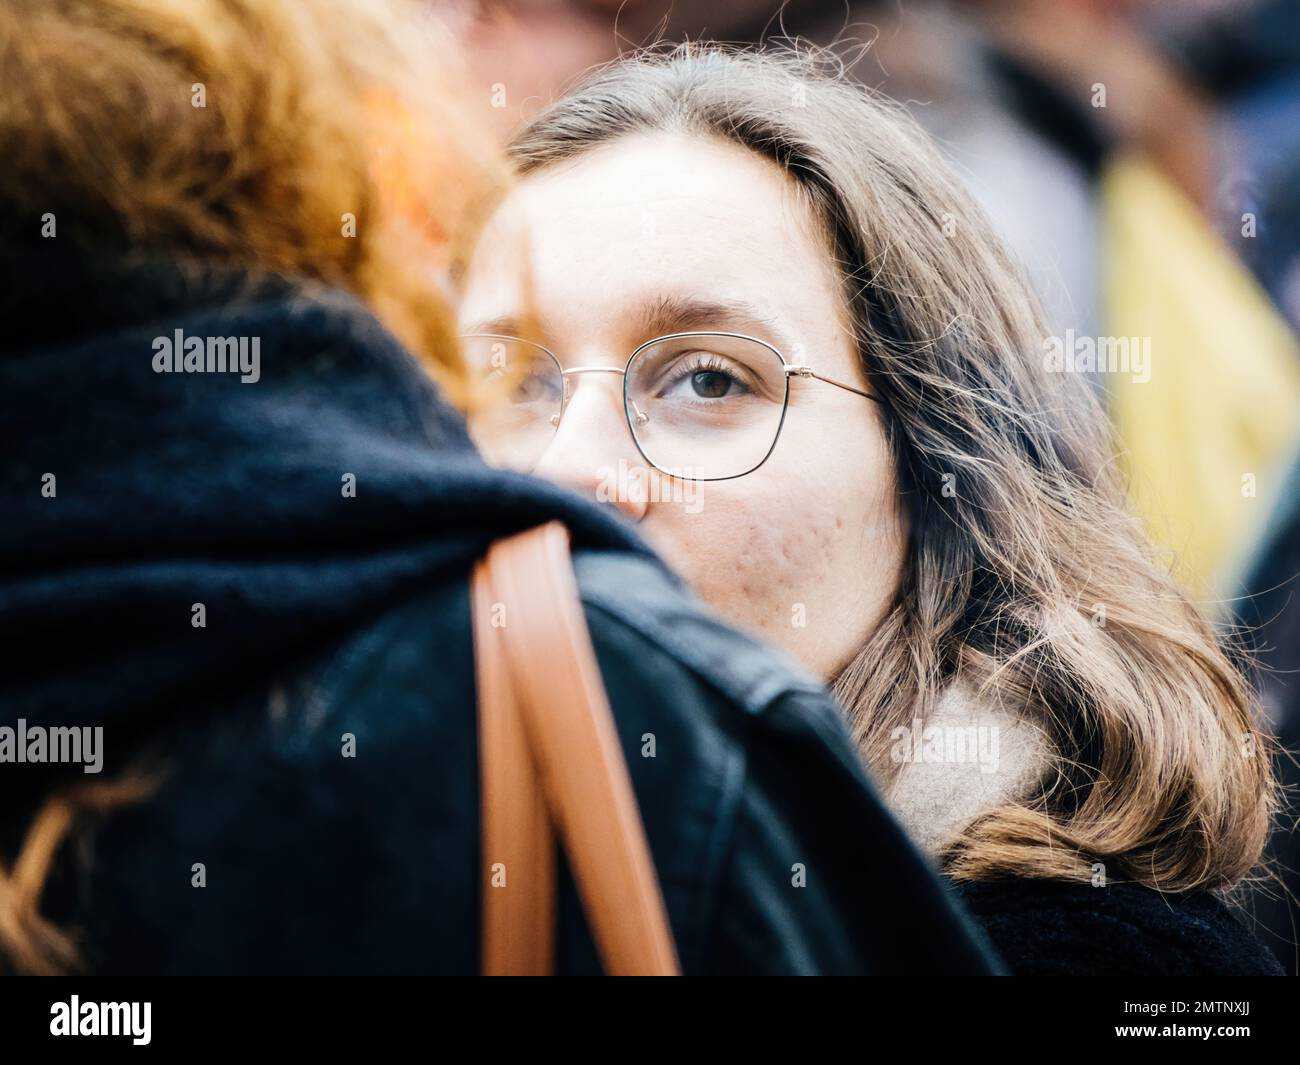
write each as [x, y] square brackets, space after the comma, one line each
[708, 364]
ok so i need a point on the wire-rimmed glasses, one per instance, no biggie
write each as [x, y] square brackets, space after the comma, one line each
[702, 406]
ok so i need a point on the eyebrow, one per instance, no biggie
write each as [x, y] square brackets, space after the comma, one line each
[661, 316]
[678, 314]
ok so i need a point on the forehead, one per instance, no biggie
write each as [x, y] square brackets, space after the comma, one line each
[648, 218]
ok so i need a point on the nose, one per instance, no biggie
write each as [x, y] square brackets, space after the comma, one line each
[593, 451]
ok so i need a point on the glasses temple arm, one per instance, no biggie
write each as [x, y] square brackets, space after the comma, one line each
[808, 371]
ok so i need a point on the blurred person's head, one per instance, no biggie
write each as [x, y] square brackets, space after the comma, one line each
[249, 135]
[964, 524]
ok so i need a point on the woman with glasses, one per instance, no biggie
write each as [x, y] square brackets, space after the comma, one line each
[735, 270]
[259, 591]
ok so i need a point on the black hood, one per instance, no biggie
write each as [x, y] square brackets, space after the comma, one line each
[173, 489]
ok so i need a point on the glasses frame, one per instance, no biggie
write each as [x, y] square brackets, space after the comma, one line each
[790, 370]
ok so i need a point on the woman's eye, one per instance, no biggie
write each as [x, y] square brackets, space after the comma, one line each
[530, 388]
[705, 383]
[537, 387]
[710, 384]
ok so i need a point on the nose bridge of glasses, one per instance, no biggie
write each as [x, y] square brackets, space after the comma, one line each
[631, 409]
[610, 378]
[574, 370]
[600, 402]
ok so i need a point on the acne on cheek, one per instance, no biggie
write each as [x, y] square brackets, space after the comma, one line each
[763, 562]
[736, 560]
[786, 559]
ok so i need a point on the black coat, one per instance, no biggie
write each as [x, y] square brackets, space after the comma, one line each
[1051, 928]
[328, 616]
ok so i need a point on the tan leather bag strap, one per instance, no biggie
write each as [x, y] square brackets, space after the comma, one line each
[518, 842]
[545, 718]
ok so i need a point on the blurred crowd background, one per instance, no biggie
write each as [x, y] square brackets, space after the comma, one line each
[1142, 157]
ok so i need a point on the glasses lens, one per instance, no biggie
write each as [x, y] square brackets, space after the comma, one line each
[522, 396]
[706, 405]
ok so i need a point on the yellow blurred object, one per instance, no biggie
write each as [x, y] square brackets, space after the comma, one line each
[1207, 439]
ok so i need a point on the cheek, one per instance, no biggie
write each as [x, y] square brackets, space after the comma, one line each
[757, 551]
[805, 554]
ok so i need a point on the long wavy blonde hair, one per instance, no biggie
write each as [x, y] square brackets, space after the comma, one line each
[1024, 573]
[326, 139]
